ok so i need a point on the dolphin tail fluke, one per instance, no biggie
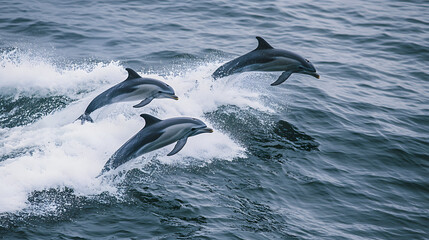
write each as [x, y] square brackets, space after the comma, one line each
[282, 78]
[85, 118]
[105, 169]
[220, 72]
[100, 174]
[217, 74]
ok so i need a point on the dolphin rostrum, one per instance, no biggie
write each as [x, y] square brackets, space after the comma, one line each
[133, 88]
[156, 134]
[268, 59]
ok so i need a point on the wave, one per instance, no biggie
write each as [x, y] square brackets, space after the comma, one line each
[56, 152]
[27, 73]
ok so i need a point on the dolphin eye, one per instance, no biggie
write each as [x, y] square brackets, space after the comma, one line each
[306, 60]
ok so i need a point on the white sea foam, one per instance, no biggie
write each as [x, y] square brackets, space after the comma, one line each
[24, 73]
[58, 152]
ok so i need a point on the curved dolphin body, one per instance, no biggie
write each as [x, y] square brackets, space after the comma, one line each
[156, 134]
[268, 59]
[133, 88]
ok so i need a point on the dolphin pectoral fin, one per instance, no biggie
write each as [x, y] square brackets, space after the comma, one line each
[282, 78]
[179, 145]
[144, 102]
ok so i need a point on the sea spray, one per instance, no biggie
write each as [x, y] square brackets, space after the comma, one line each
[56, 152]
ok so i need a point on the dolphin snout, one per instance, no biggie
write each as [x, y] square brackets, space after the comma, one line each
[208, 130]
[166, 94]
[174, 97]
[196, 131]
[204, 130]
[316, 75]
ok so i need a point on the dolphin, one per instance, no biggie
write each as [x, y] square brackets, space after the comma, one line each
[131, 89]
[156, 134]
[265, 58]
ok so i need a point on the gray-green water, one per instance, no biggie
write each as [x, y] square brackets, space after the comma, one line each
[341, 157]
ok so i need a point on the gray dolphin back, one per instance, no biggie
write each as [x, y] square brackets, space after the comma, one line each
[131, 89]
[130, 149]
[105, 98]
[156, 134]
[265, 58]
[237, 65]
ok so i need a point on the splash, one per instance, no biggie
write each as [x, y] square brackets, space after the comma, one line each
[57, 152]
[24, 73]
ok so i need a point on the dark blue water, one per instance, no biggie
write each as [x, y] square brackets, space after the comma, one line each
[341, 157]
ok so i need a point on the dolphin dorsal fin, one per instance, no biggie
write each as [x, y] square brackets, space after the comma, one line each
[149, 119]
[132, 74]
[262, 44]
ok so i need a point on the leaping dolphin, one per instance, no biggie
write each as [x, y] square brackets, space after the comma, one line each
[131, 89]
[268, 59]
[156, 134]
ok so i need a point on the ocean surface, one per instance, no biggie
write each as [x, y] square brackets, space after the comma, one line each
[345, 156]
